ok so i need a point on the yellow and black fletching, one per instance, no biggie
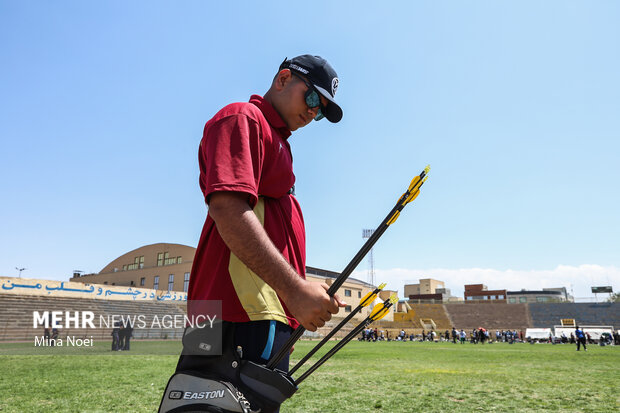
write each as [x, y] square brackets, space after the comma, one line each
[382, 309]
[412, 193]
[415, 193]
[370, 297]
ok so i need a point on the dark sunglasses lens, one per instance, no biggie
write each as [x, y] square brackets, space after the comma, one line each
[312, 99]
[319, 115]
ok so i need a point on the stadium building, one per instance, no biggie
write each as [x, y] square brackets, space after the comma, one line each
[157, 266]
[481, 292]
[429, 289]
[551, 295]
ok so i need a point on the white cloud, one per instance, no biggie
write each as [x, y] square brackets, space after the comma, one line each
[581, 278]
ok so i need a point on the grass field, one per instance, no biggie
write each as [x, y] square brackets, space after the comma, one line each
[363, 377]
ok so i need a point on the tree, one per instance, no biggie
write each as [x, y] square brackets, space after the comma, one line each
[614, 298]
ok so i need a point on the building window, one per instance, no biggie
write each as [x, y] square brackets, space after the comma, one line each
[523, 299]
[186, 282]
[138, 262]
[142, 281]
[493, 297]
[156, 282]
[486, 297]
[171, 282]
[164, 258]
[359, 294]
[347, 293]
[470, 298]
[512, 300]
[347, 309]
[542, 299]
[500, 297]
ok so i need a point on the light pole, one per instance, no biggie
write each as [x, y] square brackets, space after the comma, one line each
[367, 233]
[20, 271]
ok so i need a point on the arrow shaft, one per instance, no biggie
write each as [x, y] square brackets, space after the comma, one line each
[325, 339]
[333, 350]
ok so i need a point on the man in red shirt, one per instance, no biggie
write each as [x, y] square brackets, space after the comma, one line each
[251, 253]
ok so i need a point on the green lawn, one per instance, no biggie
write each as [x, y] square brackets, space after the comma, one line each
[363, 377]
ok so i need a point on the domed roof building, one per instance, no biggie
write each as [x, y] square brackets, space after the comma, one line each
[160, 266]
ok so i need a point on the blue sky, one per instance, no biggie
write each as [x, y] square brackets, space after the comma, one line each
[514, 104]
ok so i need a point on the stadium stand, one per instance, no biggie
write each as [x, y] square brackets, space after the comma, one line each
[499, 316]
[418, 312]
[550, 314]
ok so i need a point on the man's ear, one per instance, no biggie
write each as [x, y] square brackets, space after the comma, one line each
[282, 79]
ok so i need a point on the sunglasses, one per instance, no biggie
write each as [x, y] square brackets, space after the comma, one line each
[312, 98]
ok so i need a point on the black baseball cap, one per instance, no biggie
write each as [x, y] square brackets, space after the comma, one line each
[322, 76]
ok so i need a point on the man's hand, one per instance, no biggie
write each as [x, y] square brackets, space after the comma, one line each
[311, 305]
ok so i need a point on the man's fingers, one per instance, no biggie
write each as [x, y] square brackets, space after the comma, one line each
[333, 305]
[339, 301]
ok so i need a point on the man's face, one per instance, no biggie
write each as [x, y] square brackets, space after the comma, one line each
[292, 103]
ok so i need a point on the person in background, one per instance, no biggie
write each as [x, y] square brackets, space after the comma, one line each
[121, 335]
[116, 336]
[54, 336]
[581, 338]
[127, 336]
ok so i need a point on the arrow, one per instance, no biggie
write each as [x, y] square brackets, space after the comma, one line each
[410, 194]
[365, 301]
[378, 312]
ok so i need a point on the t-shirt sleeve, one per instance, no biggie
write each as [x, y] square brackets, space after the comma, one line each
[231, 156]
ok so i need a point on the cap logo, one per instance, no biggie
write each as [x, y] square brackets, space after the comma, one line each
[334, 86]
[299, 69]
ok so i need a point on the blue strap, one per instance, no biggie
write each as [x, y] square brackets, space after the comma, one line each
[269, 346]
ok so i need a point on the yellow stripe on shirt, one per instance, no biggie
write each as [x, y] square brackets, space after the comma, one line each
[258, 299]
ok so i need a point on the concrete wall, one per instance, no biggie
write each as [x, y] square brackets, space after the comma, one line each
[50, 288]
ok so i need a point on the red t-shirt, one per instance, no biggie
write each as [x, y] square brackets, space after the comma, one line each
[244, 149]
